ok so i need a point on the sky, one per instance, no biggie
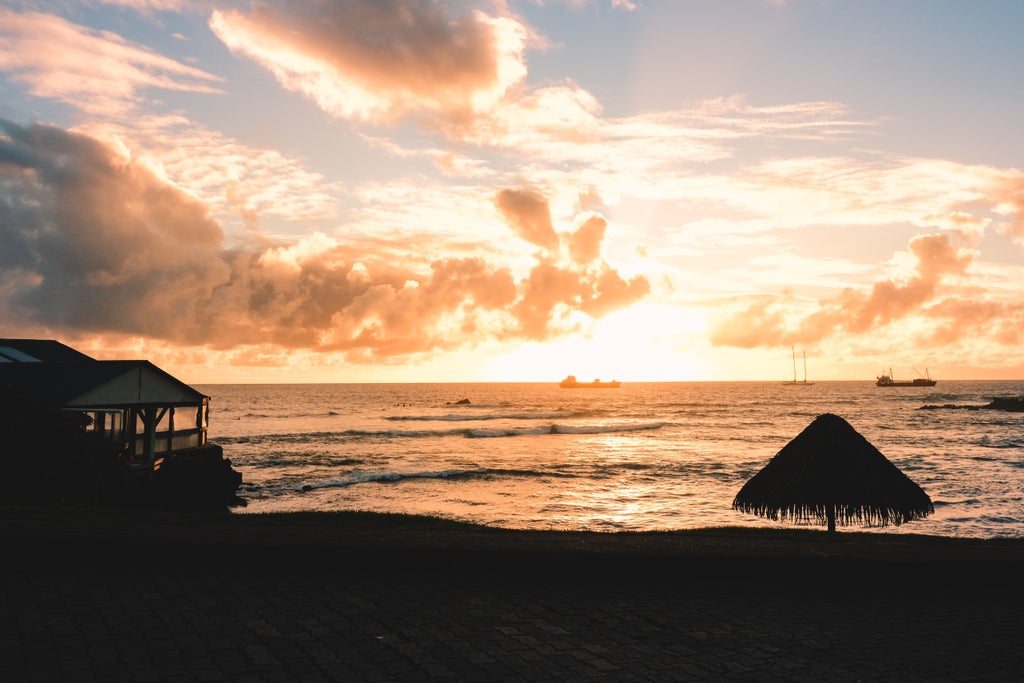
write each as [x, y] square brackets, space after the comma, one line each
[516, 190]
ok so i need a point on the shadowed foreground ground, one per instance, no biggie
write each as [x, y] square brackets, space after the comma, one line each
[344, 596]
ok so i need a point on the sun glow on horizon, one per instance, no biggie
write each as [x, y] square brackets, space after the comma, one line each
[642, 343]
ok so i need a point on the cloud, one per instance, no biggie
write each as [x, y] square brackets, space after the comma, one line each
[557, 136]
[147, 5]
[617, 4]
[610, 292]
[463, 74]
[104, 244]
[553, 293]
[96, 242]
[98, 72]
[231, 177]
[889, 300]
[937, 256]
[1010, 197]
[761, 323]
[585, 243]
[773, 321]
[528, 213]
[958, 318]
[380, 59]
[969, 227]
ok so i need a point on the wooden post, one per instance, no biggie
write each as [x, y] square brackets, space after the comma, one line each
[149, 433]
[831, 517]
[151, 416]
[131, 431]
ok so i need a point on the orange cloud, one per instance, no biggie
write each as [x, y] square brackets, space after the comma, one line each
[96, 243]
[547, 294]
[957, 318]
[367, 59]
[528, 213]
[610, 292]
[585, 243]
[765, 322]
[967, 226]
[937, 257]
[760, 324]
[552, 293]
[551, 296]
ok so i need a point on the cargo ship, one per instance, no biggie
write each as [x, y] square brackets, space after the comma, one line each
[886, 380]
[571, 383]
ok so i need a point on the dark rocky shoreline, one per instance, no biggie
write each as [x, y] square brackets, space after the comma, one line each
[1011, 404]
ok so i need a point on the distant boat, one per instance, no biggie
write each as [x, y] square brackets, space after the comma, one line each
[886, 380]
[804, 380]
[571, 383]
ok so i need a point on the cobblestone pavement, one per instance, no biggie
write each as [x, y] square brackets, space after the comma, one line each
[137, 623]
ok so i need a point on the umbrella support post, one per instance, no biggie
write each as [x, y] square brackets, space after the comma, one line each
[831, 517]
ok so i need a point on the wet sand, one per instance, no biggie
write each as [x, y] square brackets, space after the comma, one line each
[107, 595]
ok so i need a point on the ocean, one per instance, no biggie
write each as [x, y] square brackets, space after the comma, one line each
[646, 456]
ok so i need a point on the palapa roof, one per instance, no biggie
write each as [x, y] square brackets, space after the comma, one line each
[830, 466]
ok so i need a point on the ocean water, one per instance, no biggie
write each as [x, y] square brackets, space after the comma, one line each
[646, 456]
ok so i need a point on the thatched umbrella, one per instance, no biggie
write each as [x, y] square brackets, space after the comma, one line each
[830, 473]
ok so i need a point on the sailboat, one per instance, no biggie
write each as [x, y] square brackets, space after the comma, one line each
[804, 381]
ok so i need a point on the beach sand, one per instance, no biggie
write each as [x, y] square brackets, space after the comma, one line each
[107, 595]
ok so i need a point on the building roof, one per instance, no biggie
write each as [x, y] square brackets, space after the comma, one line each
[38, 351]
[51, 374]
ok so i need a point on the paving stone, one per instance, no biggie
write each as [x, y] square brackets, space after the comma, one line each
[289, 626]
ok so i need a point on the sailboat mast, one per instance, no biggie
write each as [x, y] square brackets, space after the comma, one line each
[805, 367]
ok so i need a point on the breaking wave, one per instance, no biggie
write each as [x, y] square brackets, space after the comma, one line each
[348, 434]
[462, 417]
[394, 477]
[1008, 442]
[561, 429]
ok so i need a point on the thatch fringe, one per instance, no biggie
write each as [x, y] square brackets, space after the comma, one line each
[830, 468]
[844, 515]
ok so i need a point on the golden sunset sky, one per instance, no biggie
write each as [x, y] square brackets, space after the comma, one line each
[416, 190]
